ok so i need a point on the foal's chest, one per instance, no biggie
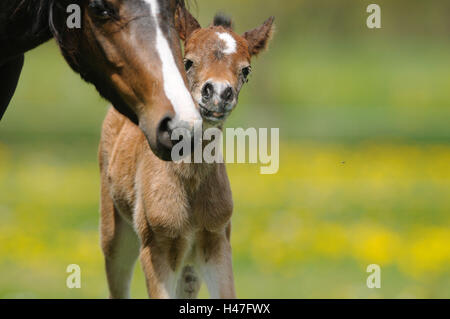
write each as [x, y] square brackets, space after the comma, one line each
[211, 212]
[212, 203]
[179, 206]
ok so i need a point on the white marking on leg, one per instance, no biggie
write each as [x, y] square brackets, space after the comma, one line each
[210, 274]
[174, 86]
[170, 286]
[230, 42]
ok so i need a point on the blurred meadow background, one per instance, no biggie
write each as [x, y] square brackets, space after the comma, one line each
[364, 170]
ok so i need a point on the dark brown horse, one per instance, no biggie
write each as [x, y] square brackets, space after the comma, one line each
[128, 49]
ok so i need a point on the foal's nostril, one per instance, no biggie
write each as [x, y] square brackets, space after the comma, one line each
[207, 91]
[227, 94]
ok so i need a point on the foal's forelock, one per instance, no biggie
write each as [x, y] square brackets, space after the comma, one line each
[174, 86]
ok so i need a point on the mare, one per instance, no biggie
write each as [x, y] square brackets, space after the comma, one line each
[129, 50]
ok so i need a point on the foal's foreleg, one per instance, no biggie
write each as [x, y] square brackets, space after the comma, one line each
[161, 278]
[163, 251]
[120, 247]
[120, 258]
[214, 261]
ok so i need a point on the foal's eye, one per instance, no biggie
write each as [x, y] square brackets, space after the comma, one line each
[188, 64]
[100, 10]
[246, 72]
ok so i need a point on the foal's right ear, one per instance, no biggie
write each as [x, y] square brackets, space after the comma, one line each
[185, 23]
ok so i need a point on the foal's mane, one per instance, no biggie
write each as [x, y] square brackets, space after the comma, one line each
[221, 19]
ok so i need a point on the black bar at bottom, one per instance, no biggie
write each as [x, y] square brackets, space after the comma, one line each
[241, 308]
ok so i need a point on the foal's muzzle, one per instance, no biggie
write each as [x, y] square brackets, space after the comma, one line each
[218, 99]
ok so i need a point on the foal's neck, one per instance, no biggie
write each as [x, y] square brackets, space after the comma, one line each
[194, 172]
[24, 25]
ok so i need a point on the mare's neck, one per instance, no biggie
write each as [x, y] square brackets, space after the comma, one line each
[24, 25]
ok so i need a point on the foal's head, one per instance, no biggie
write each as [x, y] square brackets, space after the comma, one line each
[217, 61]
[130, 51]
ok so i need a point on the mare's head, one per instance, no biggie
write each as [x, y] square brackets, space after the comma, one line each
[130, 51]
[217, 61]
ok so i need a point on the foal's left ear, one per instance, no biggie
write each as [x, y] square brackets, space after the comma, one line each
[185, 23]
[259, 38]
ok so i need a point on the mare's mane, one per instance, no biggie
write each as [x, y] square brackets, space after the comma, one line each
[42, 12]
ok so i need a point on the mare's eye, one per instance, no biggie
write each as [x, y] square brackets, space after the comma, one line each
[246, 72]
[188, 64]
[100, 10]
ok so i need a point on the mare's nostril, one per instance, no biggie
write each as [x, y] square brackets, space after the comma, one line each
[227, 94]
[207, 91]
[163, 133]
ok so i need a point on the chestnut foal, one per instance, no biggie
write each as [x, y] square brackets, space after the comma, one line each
[176, 216]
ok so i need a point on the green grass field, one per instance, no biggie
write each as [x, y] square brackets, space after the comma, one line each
[364, 171]
[308, 231]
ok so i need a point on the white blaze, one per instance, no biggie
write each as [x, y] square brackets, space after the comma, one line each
[174, 86]
[230, 42]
